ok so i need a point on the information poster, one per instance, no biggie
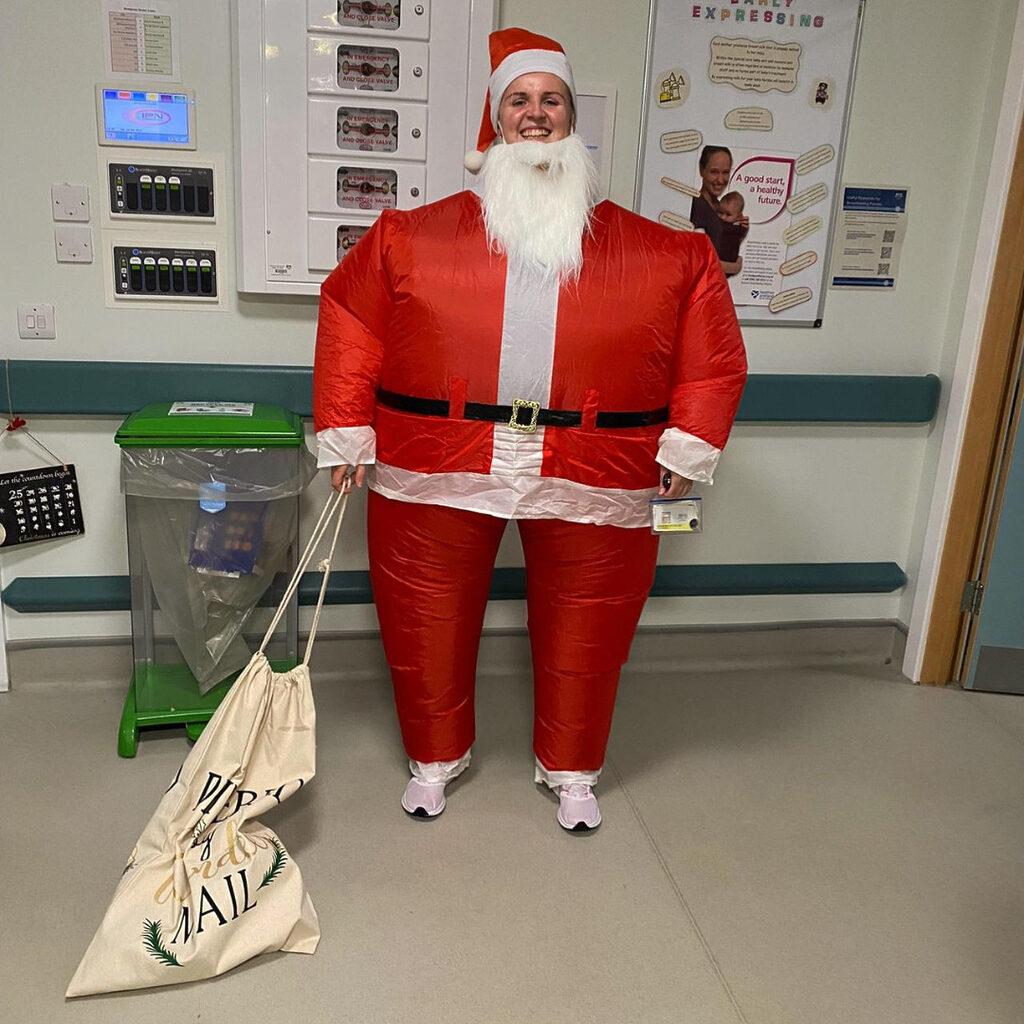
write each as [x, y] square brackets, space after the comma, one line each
[870, 229]
[141, 39]
[744, 124]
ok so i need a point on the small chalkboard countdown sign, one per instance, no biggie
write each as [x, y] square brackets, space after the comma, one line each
[39, 504]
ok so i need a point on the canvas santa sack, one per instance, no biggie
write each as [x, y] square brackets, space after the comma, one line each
[207, 886]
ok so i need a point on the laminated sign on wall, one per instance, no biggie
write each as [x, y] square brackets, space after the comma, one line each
[745, 119]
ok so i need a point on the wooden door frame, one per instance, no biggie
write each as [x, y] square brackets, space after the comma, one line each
[985, 424]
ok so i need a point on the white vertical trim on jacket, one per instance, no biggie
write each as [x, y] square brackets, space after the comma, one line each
[524, 369]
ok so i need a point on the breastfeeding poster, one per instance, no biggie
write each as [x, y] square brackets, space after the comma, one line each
[745, 118]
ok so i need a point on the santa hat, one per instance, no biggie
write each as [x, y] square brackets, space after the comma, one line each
[515, 52]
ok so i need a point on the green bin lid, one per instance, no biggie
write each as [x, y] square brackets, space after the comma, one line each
[211, 425]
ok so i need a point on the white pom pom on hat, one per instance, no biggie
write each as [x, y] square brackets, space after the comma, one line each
[473, 161]
[515, 52]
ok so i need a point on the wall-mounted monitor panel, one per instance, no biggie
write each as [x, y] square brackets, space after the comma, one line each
[145, 117]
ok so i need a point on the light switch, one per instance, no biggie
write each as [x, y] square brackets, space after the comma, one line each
[35, 320]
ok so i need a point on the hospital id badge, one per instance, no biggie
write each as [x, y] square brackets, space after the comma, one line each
[676, 515]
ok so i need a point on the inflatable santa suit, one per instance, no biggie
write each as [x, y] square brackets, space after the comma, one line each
[521, 355]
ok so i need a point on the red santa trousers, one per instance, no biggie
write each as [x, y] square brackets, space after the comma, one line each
[431, 565]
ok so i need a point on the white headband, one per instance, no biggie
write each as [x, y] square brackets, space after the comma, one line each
[526, 62]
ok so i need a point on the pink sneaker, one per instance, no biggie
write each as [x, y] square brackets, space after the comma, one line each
[423, 799]
[577, 808]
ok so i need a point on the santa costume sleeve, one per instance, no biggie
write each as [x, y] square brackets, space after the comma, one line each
[355, 302]
[708, 373]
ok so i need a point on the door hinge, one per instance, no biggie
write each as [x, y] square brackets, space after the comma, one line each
[974, 591]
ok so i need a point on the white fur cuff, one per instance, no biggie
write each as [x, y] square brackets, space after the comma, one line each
[346, 446]
[553, 779]
[688, 455]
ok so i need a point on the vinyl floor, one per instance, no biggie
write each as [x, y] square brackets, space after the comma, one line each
[793, 834]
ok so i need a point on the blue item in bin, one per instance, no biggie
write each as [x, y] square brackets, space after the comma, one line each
[211, 496]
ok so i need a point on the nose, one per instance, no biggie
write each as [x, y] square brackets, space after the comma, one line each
[535, 111]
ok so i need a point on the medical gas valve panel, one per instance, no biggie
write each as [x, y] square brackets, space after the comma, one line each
[347, 108]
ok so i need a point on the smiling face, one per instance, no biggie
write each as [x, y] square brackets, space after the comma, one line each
[535, 108]
[715, 173]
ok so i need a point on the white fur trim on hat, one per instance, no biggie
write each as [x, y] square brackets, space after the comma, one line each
[526, 62]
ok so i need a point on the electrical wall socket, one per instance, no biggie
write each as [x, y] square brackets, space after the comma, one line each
[74, 243]
[70, 202]
[35, 320]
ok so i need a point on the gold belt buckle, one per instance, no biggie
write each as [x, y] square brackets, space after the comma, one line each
[524, 428]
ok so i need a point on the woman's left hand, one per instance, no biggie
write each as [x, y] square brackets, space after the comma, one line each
[673, 485]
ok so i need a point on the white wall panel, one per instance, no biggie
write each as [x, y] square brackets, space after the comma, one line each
[925, 107]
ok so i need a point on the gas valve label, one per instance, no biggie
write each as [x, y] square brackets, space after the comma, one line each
[348, 235]
[364, 14]
[364, 188]
[370, 131]
[368, 67]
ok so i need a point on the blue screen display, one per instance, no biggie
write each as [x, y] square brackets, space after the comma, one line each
[154, 117]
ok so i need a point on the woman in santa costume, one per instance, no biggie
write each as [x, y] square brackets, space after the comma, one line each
[529, 354]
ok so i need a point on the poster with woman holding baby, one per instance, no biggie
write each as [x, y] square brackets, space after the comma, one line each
[741, 207]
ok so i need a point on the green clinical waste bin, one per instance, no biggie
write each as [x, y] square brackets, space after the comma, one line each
[211, 505]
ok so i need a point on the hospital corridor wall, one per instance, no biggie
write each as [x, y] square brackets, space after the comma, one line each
[800, 492]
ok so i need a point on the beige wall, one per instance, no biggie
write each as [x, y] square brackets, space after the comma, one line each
[925, 103]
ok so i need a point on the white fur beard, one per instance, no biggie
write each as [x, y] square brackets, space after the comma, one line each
[537, 199]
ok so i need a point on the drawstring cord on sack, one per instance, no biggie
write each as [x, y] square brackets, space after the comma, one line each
[335, 507]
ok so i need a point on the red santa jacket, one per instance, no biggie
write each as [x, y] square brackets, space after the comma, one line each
[422, 325]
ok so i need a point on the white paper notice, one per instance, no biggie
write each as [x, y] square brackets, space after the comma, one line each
[595, 114]
[141, 39]
[869, 236]
[210, 409]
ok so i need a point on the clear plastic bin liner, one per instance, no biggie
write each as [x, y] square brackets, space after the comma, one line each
[206, 590]
[239, 474]
[214, 526]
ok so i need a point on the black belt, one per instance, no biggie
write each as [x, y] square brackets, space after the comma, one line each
[521, 415]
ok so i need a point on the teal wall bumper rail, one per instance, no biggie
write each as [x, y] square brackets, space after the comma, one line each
[116, 388]
[81, 388]
[110, 593]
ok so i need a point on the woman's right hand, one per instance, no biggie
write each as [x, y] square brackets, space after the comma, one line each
[338, 474]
